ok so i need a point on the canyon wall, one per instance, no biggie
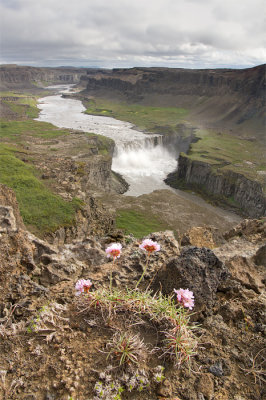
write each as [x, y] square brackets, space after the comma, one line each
[14, 76]
[227, 187]
[224, 98]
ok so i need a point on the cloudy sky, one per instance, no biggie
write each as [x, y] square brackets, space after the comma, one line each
[126, 33]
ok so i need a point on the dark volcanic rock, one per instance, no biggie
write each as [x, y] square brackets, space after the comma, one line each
[197, 269]
[260, 256]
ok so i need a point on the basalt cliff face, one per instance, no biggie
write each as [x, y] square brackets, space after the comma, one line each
[227, 186]
[222, 97]
[15, 76]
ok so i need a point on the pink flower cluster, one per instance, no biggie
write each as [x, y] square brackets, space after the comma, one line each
[114, 250]
[185, 297]
[149, 245]
[83, 286]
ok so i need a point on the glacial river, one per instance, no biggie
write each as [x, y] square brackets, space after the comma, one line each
[139, 158]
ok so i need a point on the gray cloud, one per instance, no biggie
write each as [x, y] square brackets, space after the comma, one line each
[185, 33]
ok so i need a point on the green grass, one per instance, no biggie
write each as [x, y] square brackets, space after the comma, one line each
[23, 104]
[11, 94]
[40, 209]
[137, 223]
[227, 152]
[144, 117]
[15, 130]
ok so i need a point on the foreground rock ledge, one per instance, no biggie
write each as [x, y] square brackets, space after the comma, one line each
[37, 281]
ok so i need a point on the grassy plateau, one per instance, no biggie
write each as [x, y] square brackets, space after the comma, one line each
[144, 117]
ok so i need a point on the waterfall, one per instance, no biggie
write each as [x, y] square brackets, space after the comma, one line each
[143, 157]
[144, 163]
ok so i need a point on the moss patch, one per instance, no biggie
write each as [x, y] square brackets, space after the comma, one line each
[138, 223]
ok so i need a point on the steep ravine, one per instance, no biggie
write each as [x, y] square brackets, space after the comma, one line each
[227, 187]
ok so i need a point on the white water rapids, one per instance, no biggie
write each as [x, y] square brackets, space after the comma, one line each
[140, 158]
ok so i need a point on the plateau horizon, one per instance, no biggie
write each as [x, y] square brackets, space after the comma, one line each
[126, 65]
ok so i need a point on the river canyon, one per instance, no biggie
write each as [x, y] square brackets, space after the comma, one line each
[142, 160]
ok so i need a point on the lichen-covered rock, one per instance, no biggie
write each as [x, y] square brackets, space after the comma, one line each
[8, 199]
[199, 236]
[197, 269]
[7, 220]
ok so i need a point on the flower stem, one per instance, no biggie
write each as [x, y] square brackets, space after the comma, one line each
[144, 271]
[111, 276]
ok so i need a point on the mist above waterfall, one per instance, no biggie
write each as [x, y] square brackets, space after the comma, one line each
[140, 158]
[144, 166]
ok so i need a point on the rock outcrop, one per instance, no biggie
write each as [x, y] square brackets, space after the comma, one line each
[9, 203]
[196, 268]
[227, 186]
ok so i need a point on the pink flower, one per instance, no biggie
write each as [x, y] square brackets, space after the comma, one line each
[149, 245]
[185, 297]
[114, 250]
[83, 286]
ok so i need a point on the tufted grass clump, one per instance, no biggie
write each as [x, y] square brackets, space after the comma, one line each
[131, 308]
[125, 348]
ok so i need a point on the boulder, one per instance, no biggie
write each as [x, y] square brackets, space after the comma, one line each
[196, 269]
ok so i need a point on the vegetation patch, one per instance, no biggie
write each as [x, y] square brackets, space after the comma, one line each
[226, 152]
[124, 316]
[42, 210]
[144, 117]
[15, 130]
[22, 104]
[138, 223]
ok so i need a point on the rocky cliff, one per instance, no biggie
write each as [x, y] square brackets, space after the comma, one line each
[227, 186]
[14, 76]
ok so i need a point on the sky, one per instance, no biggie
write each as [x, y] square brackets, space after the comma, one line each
[123, 33]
